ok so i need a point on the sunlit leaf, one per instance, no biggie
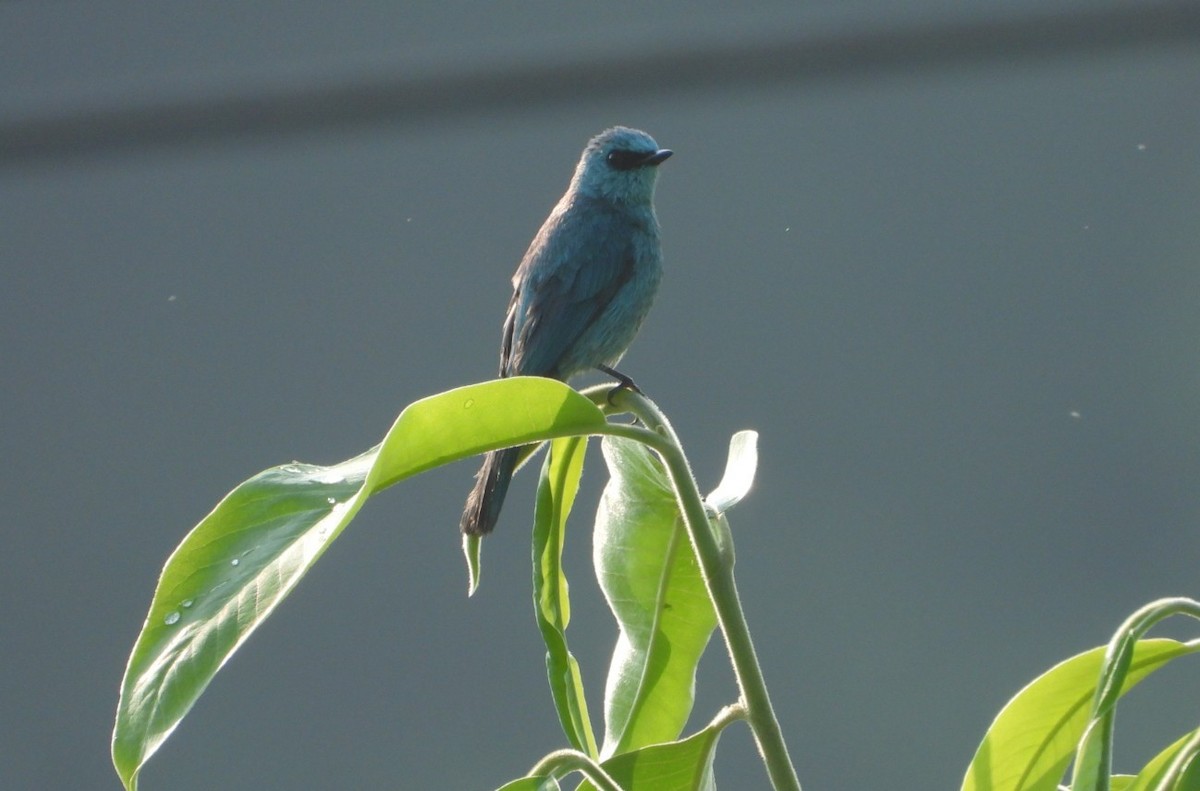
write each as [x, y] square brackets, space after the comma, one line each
[245, 557]
[685, 765]
[472, 551]
[1152, 773]
[649, 576]
[739, 473]
[1031, 741]
[470, 420]
[556, 494]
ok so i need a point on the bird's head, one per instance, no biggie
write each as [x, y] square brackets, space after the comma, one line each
[619, 164]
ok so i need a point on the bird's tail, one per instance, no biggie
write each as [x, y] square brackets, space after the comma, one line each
[491, 484]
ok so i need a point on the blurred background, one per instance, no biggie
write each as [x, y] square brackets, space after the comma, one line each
[945, 257]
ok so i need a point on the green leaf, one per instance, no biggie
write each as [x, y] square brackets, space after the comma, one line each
[470, 420]
[739, 473]
[1031, 741]
[223, 580]
[684, 765]
[1154, 771]
[650, 579]
[245, 557]
[556, 493]
[472, 550]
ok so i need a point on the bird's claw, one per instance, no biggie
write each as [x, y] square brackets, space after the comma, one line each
[623, 383]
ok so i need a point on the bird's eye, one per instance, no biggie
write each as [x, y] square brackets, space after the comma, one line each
[621, 159]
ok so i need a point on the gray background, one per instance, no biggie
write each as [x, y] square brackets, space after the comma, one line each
[942, 256]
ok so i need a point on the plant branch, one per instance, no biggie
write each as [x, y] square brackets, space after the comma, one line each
[563, 762]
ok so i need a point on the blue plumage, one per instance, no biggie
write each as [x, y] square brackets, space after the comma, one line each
[583, 287]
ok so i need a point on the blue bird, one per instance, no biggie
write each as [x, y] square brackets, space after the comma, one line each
[583, 287]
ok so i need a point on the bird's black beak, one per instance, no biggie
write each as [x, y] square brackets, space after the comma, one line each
[628, 160]
[658, 157]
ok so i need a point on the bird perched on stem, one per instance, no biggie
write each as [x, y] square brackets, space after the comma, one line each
[583, 287]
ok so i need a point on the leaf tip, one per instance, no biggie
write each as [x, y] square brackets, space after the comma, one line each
[472, 547]
[740, 468]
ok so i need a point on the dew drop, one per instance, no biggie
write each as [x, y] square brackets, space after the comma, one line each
[234, 562]
[186, 603]
[172, 618]
[331, 501]
[470, 402]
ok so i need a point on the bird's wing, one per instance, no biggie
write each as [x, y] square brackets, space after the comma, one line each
[564, 284]
[506, 334]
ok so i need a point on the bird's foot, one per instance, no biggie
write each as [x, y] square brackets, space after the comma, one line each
[623, 382]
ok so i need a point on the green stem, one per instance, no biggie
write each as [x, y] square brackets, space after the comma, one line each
[728, 714]
[1093, 756]
[563, 762]
[717, 569]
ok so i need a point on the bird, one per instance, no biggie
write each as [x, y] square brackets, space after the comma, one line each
[582, 289]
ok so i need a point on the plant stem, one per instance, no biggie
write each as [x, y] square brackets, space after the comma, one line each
[562, 762]
[716, 566]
